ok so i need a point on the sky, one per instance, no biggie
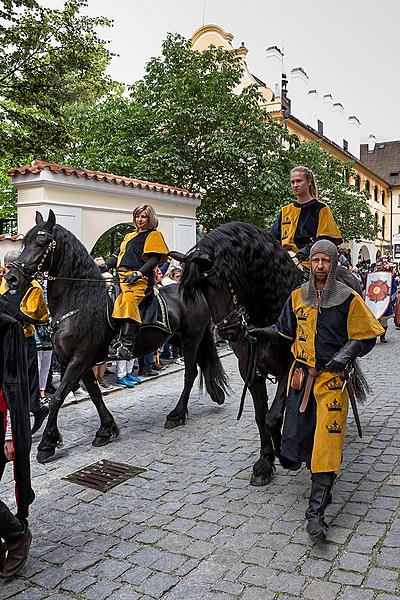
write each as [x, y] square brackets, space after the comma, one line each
[349, 48]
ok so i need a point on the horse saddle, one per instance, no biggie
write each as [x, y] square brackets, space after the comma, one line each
[153, 312]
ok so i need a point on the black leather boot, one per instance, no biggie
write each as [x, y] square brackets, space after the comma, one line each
[127, 341]
[320, 496]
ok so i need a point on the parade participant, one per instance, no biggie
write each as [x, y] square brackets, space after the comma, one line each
[32, 308]
[306, 220]
[382, 265]
[15, 439]
[139, 254]
[329, 326]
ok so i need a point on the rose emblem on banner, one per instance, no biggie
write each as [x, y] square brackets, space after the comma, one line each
[377, 290]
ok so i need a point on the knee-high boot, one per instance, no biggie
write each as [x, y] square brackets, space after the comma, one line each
[122, 348]
[320, 496]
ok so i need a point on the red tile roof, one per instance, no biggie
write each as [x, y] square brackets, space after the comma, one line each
[39, 165]
[384, 159]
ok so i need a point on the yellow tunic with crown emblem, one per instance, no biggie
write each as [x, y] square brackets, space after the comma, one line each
[33, 305]
[135, 249]
[317, 435]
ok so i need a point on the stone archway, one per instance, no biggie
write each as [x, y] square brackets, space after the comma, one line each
[363, 253]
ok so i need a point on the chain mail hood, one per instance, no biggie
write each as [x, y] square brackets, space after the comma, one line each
[335, 292]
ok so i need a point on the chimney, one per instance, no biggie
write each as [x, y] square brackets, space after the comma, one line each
[314, 108]
[371, 142]
[353, 135]
[327, 116]
[274, 68]
[339, 125]
[298, 93]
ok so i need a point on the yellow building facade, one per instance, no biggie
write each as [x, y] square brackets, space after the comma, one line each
[277, 103]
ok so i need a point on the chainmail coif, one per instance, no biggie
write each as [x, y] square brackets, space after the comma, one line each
[335, 292]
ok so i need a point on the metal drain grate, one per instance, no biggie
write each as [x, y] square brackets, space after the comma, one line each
[104, 475]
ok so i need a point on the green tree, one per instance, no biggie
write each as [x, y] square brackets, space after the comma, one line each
[349, 205]
[184, 125]
[49, 59]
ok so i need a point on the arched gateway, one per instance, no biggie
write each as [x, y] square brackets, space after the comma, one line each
[88, 203]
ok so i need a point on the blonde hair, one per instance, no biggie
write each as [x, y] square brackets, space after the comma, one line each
[309, 175]
[150, 212]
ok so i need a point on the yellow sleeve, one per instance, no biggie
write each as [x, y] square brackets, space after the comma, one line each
[361, 323]
[33, 304]
[155, 244]
[3, 286]
[327, 226]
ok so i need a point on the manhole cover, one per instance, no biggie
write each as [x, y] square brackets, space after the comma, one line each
[104, 475]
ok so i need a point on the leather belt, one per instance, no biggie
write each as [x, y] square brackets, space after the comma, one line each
[311, 375]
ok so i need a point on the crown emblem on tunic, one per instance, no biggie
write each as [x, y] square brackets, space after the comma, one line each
[302, 355]
[286, 221]
[301, 314]
[334, 428]
[284, 235]
[302, 335]
[335, 406]
[335, 384]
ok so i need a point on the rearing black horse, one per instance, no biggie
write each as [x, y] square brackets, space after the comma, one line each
[246, 277]
[79, 306]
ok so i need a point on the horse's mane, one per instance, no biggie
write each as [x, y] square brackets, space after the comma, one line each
[72, 260]
[260, 271]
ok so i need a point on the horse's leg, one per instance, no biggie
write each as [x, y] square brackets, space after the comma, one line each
[274, 418]
[51, 436]
[177, 416]
[264, 467]
[108, 428]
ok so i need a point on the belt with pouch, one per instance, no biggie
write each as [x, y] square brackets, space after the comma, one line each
[297, 384]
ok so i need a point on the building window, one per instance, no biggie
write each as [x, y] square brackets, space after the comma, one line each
[383, 227]
[357, 182]
[376, 224]
[398, 201]
[345, 145]
[320, 126]
[398, 228]
[376, 193]
[383, 196]
[367, 186]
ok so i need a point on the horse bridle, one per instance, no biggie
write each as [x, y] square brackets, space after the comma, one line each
[29, 272]
[238, 310]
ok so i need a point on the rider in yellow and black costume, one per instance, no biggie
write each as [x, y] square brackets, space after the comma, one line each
[329, 326]
[138, 256]
[305, 221]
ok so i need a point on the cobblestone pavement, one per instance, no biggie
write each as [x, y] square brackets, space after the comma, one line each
[191, 526]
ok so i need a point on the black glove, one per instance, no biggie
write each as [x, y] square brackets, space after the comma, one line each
[350, 351]
[131, 279]
[265, 334]
[304, 253]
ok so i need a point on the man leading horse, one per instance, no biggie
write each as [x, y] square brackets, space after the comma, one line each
[328, 326]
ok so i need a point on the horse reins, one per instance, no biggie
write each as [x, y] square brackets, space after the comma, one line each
[240, 312]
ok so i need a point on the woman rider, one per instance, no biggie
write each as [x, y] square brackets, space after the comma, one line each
[306, 220]
[139, 254]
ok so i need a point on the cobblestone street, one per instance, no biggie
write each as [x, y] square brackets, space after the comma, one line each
[191, 527]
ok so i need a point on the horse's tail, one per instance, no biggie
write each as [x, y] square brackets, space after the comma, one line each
[212, 372]
[358, 385]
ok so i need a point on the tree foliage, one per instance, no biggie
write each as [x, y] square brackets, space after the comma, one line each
[49, 59]
[183, 125]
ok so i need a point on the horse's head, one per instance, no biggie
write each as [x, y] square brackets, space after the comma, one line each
[36, 255]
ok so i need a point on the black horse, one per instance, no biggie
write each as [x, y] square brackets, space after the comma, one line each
[246, 277]
[80, 306]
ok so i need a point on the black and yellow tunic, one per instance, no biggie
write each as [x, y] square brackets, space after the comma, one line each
[135, 250]
[317, 435]
[298, 225]
[32, 305]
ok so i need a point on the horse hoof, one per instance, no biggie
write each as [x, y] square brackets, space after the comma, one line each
[260, 480]
[172, 424]
[101, 441]
[45, 456]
